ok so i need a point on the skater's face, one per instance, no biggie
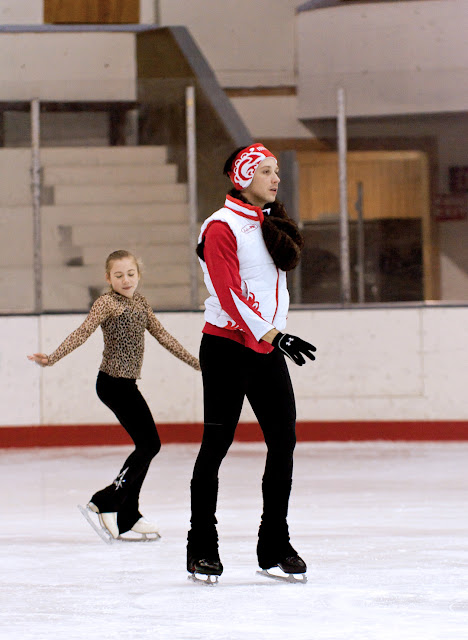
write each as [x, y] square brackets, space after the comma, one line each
[264, 186]
[124, 276]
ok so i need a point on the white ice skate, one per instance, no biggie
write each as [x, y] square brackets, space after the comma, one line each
[147, 531]
[105, 525]
[94, 518]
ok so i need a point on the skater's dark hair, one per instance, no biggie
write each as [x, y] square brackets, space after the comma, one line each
[282, 236]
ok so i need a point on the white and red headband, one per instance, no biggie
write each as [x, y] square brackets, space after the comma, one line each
[246, 163]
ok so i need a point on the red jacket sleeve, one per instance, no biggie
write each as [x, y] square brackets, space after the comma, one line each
[220, 254]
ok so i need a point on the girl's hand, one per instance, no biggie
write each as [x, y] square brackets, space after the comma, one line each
[39, 358]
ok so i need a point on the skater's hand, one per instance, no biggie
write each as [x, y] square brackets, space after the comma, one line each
[294, 347]
[39, 358]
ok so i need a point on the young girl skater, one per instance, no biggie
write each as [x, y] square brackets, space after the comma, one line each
[123, 314]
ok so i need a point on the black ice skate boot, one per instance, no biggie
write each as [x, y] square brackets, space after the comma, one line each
[275, 550]
[202, 554]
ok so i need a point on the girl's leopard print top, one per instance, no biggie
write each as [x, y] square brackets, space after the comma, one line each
[123, 322]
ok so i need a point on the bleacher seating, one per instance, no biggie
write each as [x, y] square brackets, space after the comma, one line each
[95, 200]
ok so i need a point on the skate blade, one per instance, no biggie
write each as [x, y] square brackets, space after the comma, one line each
[203, 578]
[142, 537]
[88, 514]
[108, 538]
[292, 578]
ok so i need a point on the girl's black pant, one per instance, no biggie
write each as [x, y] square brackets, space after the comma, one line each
[124, 399]
[232, 372]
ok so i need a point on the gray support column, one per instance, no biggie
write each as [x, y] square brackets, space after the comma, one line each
[192, 191]
[36, 202]
[343, 183]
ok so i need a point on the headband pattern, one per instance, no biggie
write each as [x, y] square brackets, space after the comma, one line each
[246, 163]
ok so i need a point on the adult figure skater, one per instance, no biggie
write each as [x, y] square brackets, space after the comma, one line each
[245, 249]
[123, 314]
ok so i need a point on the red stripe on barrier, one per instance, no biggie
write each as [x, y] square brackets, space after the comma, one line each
[113, 434]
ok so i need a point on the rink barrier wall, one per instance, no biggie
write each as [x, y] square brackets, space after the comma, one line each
[114, 434]
[380, 373]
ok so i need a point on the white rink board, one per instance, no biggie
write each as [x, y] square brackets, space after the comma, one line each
[372, 364]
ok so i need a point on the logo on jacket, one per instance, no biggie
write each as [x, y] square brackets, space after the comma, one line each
[232, 325]
[251, 298]
[248, 228]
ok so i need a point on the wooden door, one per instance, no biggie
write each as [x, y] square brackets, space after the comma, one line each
[92, 11]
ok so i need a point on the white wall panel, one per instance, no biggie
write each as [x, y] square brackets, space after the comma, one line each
[372, 364]
[169, 385]
[19, 380]
[360, 354]
[396, 57]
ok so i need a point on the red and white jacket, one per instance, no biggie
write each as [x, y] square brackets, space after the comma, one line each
[248, 293]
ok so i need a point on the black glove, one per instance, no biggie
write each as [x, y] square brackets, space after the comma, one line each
[294, 347]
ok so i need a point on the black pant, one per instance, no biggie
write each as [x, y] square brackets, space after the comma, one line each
[232, 372]
[124, 399]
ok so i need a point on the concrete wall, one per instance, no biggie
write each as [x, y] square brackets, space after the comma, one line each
[68, 66]
[252, 43]
[404, 364]
[271, 116]
[21, 11]
[395, 57]
[247, 43]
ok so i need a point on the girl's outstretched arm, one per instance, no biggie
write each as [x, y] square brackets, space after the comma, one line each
[169, 342]
[98, 313]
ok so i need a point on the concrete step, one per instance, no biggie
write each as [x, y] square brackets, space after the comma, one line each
[86, 156]
[152, 257]
[93, 276]
[131, 194]
[15, 177]
[160, 297]
[110, 174]
[65, 296]
[16, 236]
[69, 294]
[155, 212]
[170, 298]
[17, 287]
[118, 236]
[59, 296]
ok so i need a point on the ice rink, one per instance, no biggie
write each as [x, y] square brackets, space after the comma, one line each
[382, 526]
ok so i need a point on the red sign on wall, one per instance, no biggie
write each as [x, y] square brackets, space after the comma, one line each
[451, 206]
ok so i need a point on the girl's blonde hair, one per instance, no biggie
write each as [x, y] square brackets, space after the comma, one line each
[118, 255]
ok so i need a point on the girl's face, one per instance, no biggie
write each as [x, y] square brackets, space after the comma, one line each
[124, 276]
[264, 186]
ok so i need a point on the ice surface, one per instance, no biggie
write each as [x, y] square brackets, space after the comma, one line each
[382, 526]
